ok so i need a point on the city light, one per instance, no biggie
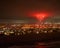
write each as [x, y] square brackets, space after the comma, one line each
[28, 29]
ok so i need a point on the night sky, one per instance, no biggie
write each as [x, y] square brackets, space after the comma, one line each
[21, 9]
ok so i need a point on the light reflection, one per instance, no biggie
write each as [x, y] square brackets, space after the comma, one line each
[41, 45]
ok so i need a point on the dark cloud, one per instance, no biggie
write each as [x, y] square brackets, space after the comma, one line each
[17, 9]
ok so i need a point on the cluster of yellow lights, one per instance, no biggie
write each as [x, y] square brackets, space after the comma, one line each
[28, 26]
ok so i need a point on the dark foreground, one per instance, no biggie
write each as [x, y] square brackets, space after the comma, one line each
[37, 45]
[43, 40]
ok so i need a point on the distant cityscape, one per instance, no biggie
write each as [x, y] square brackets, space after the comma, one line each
[23, 29]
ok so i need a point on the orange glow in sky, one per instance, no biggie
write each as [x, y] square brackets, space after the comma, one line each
[40, 16]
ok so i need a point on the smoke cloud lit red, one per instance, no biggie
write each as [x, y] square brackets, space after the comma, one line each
[40, 16]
